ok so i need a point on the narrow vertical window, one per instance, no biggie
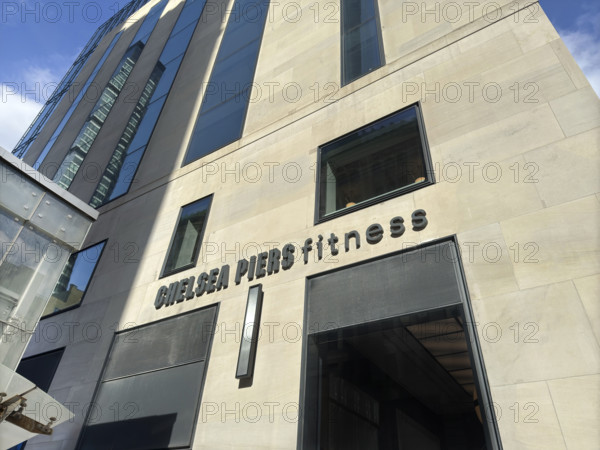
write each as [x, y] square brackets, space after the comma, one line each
[187, 238]
[67, 82]
[118, 175]
[223, 110]
[92, 126]
[75, 103]
[361, 44]
[88, 133]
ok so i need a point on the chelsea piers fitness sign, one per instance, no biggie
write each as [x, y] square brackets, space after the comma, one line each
[269, 263]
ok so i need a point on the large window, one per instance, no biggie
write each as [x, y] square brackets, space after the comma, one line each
[150, 390]
[223, 110]
[90, 130]
[66, 84]
[361, 48]
[187, 238]
[75, 104]
[383, 159]
[74, 280]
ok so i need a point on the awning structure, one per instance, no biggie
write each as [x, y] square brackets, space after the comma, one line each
[40, 226]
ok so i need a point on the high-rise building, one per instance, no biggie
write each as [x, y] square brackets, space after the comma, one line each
[356, 224]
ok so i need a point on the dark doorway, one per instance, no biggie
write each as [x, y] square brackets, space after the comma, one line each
[404, 383]
[392, 359]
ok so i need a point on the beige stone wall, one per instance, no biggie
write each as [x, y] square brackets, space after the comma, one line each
[513, 129]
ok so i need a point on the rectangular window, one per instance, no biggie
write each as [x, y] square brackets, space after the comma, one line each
[74, 280]
[152, 383]
[386, 158]
[226, 98]
[362, 51]
[187, 239]
[87, 136]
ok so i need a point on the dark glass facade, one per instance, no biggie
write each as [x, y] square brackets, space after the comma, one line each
[361, 44]
[120, 172]
[223, 110]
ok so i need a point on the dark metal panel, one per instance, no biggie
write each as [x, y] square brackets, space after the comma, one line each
[148, 411]
[163, 344]
[40, 369]
[405, 283]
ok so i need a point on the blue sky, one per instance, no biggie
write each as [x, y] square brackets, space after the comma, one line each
[39, 40]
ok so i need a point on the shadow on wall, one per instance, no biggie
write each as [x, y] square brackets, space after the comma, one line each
[133, 434]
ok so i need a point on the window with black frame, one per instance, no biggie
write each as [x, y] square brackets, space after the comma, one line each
[74, 280]
[187, 239]
[386, 158]
[361, 48]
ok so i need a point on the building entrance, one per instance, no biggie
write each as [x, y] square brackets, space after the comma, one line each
[404, 383]
[391, 358]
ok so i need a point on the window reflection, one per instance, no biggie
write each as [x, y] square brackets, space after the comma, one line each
[118, 175]
[74, 280]
[188, 236]
[361, 51]
[84, 141]
[230, 80]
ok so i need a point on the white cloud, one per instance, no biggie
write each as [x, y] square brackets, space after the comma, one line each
[584, 44]
[22, 99]
[16, 114]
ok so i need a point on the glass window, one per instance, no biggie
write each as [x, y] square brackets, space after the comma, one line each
[150, 22]
[76, 102]
[40, 369]
[386, 158]
[118, 175]
[177, 44]
[112, 172]
[191, 13]
[187, 238]
[167, 78]
[84, 141]
[361, 50]
[208, 126]
[231, 76]
[154, 375]
[74, 280]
